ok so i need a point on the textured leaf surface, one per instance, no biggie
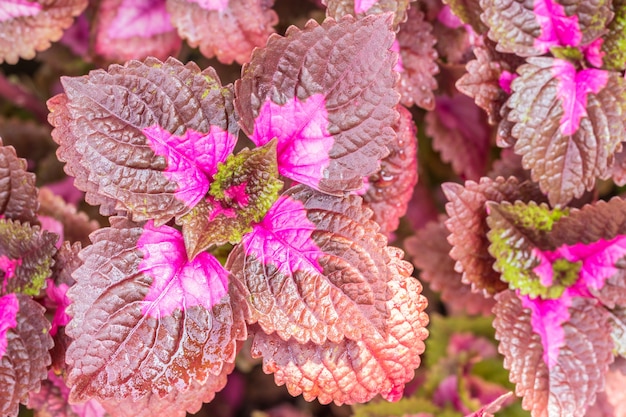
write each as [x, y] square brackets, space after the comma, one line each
[354, 88]
[468, 226]
[100, 123]
[429, 250]
[614, 45]
[134, 29]
[461, 134]
[612, 401]
[18, 194]
[24, 363]
[26, 257]
[314, 261]
[468, 11]
[570, 386]
[360, 8]
[389, 191]
[130, 341]
[417, 61]
[531, 28]
[355, 370]
[229, 34]
[568, 124]
[30, 26]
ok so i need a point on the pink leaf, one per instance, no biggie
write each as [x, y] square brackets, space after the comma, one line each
[12, 9]
[557, 28]
[9, 306]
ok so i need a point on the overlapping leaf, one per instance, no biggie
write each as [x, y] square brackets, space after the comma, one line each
[389, 191]
[24, 358]
[612, 401]
[226, 29]
[468, 226]
[18, 194]
[417, 61]
[131, 29]
[568, 124]
[141, 317]
[143, 138]
[569, 386]
[315, 269]
[353, 371]
[353, 90]
[614, 45]
[360, 8]
[30, 26]
[76, 224]
[532, 28]
[469, 12]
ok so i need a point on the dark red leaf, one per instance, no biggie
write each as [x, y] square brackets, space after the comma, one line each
[18, 194]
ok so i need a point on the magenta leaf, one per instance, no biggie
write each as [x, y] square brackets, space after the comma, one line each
[314, 261]
[18, 194]
[243, 190]
[228, 33]
[30, 26]
[584, 354]
[151, 322]
[558, 113]
[134, 29]
[355, 370]
[338, 99]
[390, 189]
[127, 112]
[24, 344]
[360, 8]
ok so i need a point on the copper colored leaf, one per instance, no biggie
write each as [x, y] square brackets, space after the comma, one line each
[143, 137]
[417, 61]
[468, 226]
[134, 29]
[570, 385]
[568, 124]
[390, 189]
[228, 29]
[18, 194]
[354, 371]
[140, 322]
[531, 28]
[30, 26]
[354, 109]
[461, 134]
[429, 250]
[314, 261]
[23, 365]
[360, 8]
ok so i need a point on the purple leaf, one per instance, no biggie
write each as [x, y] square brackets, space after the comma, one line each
[30, 26]
[355, 98]
[313, 261]
[141, 318]
[134, 29]
[24, 361]
[108, 113]
[228, 33]
[352, 371]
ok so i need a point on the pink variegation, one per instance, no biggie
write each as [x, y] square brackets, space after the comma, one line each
[557, 29]
[58, 295]
[573, 88]
[143, 18]
[178, 283]
[11, 9]
[192, 158]
[9, 306]
[304, 142]
[362, 6]
[8, 266]
[219, 5]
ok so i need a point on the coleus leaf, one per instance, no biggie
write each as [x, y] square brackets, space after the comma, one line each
[244, 188]
[360, 8]
[390, 189]
[30, 26]
[352, 371]
[611, 401]
[18, 194]
[416, 61]
[166, 124]
[614, 45]
[24, 345]
[532, 28]
[25, 257]
[328, 137]
[461, 134]
[468, 226]
[429, 250]
[134, 29]
[568, 124]
[151, 322]
[468, 11]
[580, 357]
[226, 29]
[313, 261]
